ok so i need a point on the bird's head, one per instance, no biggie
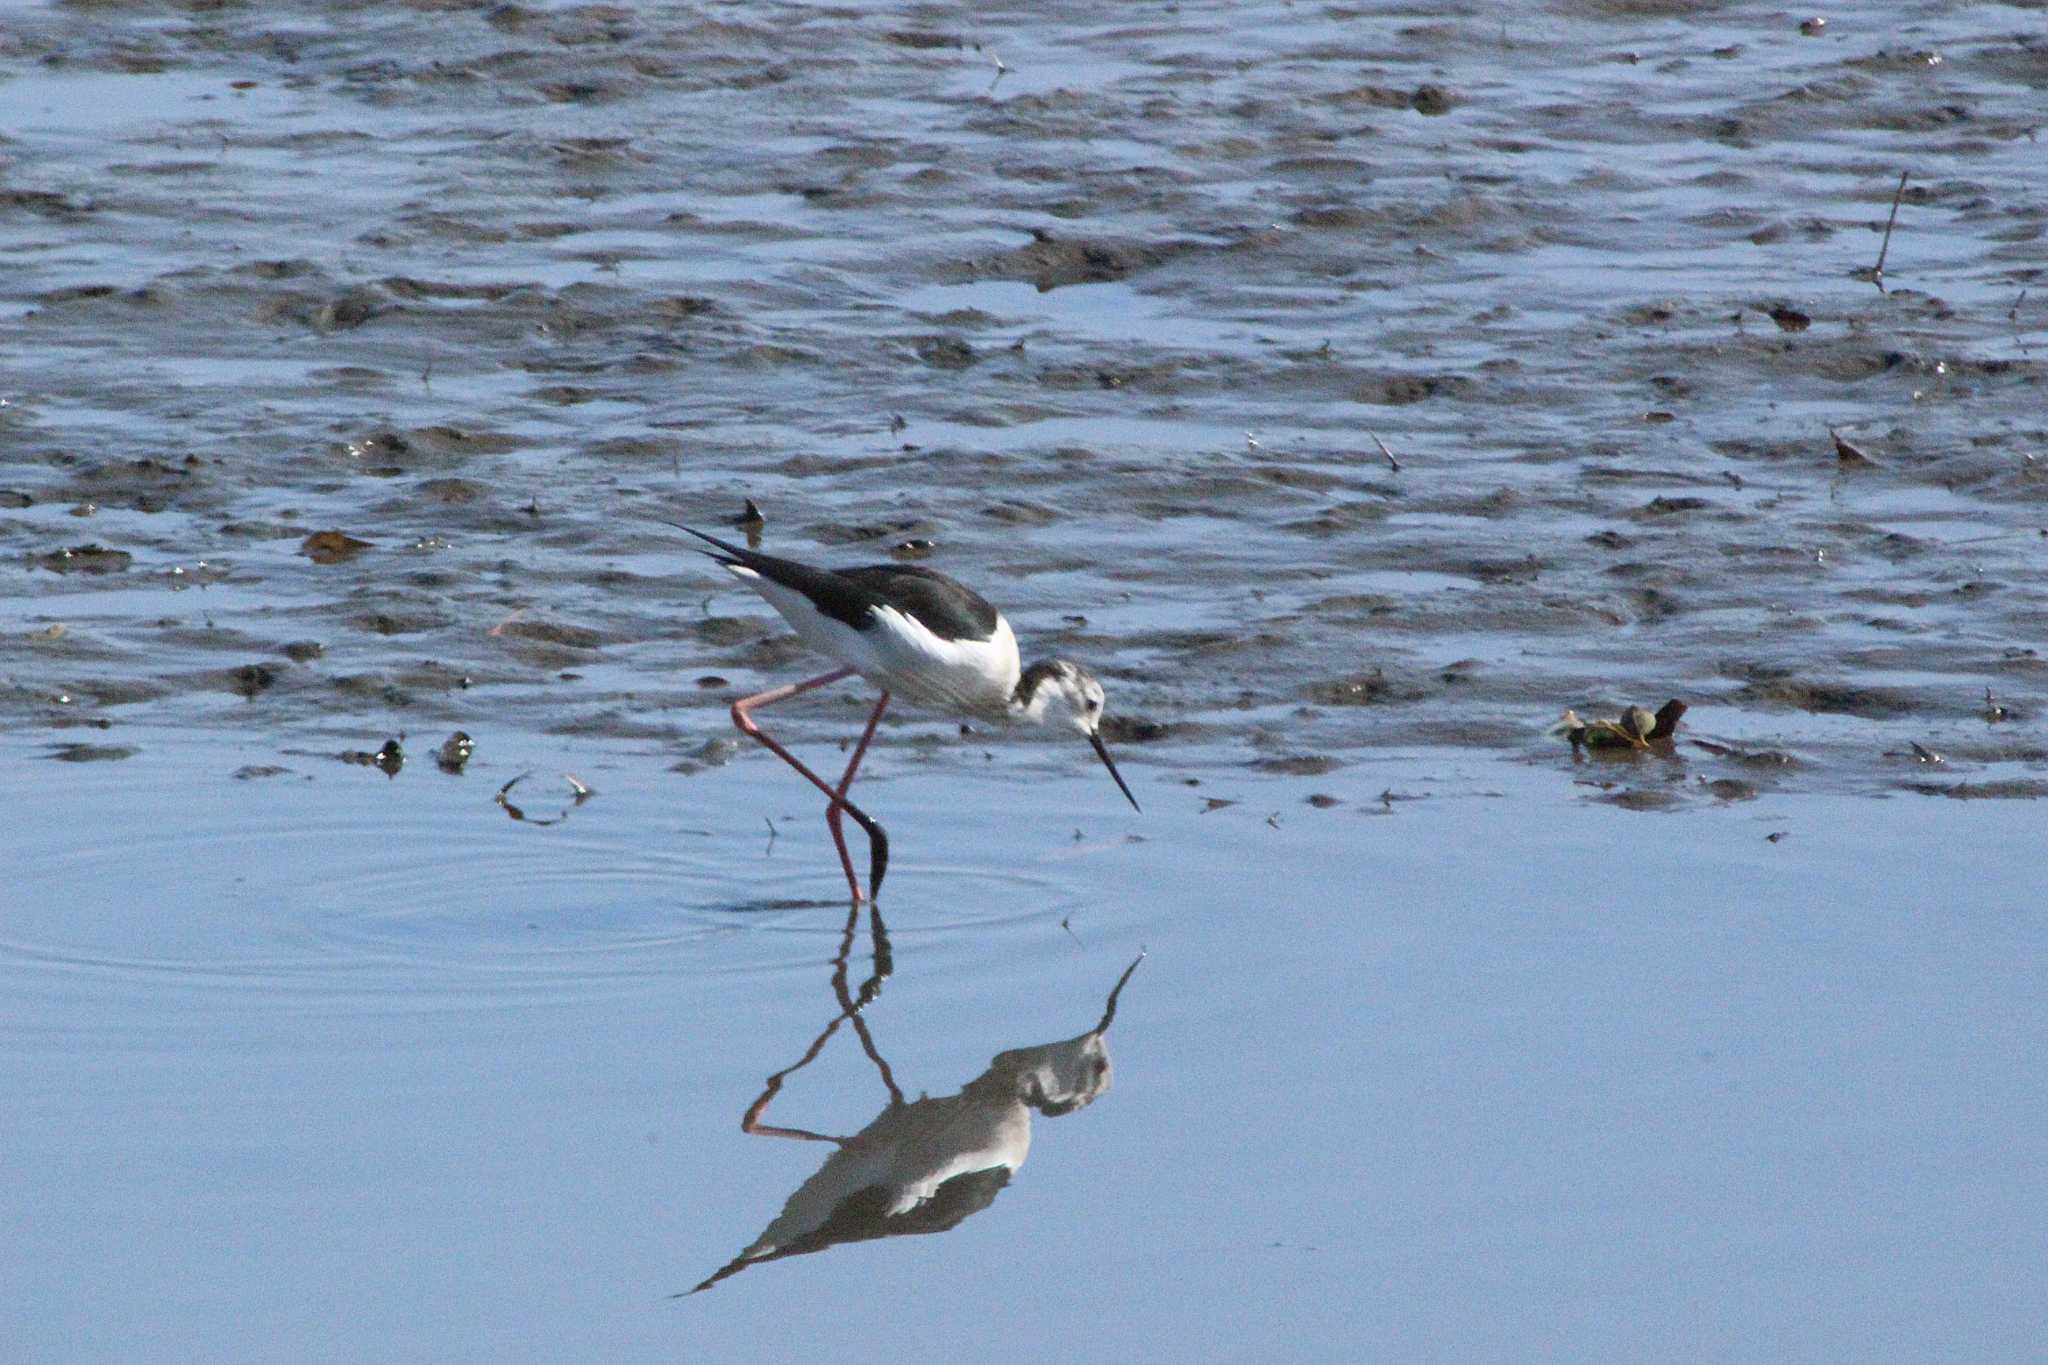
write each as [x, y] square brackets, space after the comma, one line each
[1061, 693]
[1058, 1078]
[1058, 692]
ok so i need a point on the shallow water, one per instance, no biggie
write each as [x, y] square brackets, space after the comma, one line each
[327, 1064]
[1477, 1056]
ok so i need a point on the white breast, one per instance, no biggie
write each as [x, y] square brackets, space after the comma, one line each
[901, 656]
[953, 675]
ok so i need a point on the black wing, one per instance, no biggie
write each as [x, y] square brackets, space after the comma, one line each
[947, 609]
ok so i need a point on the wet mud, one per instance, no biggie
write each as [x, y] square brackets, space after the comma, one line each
[1331, 379]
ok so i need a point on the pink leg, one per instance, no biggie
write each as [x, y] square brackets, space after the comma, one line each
[834, 812]
[878, 842]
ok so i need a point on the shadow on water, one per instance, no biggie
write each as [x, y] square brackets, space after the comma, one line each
[925, 1165]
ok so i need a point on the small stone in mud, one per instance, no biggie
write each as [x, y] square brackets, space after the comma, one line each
[711, 753]
[1363, 690]
[1125, 729]
[711, 680]
[350, 311]
[454, 752]
[253, 678]
[301, 651]
[332, 547]
[382, 443]
[452, 492]
[1298, 765]
[93, 753]
[946, 353]
[12, 498]
[1640, 798]
[1790, 319]
[253, 771]
[1431, 100]
[1814, 27]
[86, 559]
[1050, 262]
[1323, 801]
[1732, 789]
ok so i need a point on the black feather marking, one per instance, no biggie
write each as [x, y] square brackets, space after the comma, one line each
[945, 607]
[1034, 677]
[948, 609]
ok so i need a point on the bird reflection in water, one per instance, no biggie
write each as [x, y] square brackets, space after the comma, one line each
[922, 1165]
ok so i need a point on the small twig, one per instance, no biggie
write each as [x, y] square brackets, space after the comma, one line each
[1986, 540]
[1392, 463]
[1877, 275]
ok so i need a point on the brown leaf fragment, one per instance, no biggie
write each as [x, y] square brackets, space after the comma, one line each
[332, 547]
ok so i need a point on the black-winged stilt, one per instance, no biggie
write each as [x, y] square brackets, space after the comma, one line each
[914, 633]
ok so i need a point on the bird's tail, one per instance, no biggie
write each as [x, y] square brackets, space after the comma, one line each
[723, 551]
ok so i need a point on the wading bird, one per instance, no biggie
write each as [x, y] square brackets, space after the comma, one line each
[916, 634]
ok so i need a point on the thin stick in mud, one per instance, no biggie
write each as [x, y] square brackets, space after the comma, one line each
[1884, 249]
[1392, 463]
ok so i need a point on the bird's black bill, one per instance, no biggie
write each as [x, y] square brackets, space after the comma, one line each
[1109, 1011]
[1102, 752]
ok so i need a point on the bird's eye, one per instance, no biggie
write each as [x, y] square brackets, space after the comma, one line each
[1093, 706]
